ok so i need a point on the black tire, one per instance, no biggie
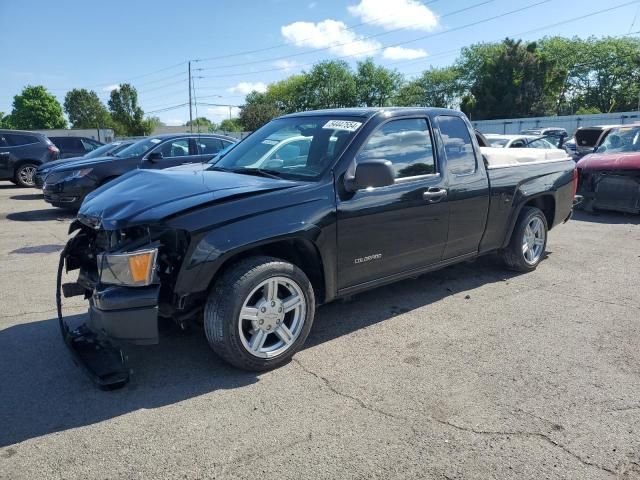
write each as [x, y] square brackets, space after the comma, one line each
[18, 177]
[226, 299]
[513, 256]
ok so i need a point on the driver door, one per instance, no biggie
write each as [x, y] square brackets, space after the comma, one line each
[390, 230]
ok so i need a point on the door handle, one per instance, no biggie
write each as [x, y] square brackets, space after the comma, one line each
[435, 195]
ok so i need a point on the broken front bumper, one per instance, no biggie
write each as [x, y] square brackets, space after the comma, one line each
[115, 314]
[125, 313]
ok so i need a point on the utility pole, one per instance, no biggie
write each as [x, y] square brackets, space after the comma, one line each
[190, 112]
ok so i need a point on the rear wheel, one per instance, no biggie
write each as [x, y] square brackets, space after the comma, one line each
[259, 313]
[528, 241]
[24, 175]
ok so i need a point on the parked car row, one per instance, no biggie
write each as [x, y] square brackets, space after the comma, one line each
[22, 152]
[65, 184]
[309, 208]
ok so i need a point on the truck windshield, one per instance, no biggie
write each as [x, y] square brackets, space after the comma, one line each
[296, 147]
[622, 139]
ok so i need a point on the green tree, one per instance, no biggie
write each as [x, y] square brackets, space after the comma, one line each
[436, 87]
[85, 110]
[231, 125]
[35, 108]
[331, 84]
[375, 85]
[127, 116]
[202, 124]
[257, 110]
[506, 80]
[288, 95]
[5, 120]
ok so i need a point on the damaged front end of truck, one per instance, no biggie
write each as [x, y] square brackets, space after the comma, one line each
[127, 276]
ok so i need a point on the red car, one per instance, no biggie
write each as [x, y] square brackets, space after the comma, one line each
[609, 179]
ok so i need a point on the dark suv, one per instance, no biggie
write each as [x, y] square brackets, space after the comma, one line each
[66, 185]
[75, 146]
[21, 153]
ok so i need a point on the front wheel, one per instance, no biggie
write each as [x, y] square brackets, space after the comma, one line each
[259, 313]
[24, 175]
[528, 241]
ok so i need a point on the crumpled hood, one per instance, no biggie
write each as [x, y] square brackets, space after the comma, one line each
[610, 161]
[147, 196]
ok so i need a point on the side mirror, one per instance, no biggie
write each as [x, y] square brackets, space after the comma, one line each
[371, 173]
[155, 156]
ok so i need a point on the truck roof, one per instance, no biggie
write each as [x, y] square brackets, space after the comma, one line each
[368, 112]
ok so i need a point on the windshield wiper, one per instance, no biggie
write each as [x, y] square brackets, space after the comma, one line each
[258, 171]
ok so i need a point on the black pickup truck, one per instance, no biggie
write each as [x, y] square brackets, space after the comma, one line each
[311, 207]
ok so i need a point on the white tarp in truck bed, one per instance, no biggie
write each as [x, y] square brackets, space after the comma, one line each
[511, 157]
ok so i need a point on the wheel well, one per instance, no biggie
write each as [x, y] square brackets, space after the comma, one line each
[547, 204]
[301, 253]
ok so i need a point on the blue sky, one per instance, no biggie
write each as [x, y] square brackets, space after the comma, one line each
[245, 44]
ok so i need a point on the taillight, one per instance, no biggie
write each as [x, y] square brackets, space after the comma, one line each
[575, 181]
[54, 151]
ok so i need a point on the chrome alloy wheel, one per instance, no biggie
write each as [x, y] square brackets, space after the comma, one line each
[26, 174]
[533, 241]
[272, 317]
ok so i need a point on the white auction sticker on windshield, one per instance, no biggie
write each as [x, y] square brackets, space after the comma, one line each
[347, 125]
[270, 142]
[155, 140]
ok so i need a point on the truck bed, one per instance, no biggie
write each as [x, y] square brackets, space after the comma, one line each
[513, 183]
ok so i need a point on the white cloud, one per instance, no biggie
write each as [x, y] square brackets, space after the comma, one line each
[217, 114]
[395, 14]
[285, 65]
[110, 88]
[312, 5]
[331, 34]
[400, 53]
[244, 88]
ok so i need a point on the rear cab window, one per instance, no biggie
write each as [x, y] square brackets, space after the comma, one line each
[458, 147]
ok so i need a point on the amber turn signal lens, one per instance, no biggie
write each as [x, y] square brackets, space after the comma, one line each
[140, 266]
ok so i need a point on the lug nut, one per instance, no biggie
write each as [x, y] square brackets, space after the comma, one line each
[263, 309]
[280, 310]
[260, 322]
[269, 327]
[273, 304]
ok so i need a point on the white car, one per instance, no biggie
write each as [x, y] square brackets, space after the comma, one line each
[518, 141]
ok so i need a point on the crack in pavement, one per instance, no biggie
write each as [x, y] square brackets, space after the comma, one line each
[584, 299]
[514, 433]
[362, 404]
[624, 409]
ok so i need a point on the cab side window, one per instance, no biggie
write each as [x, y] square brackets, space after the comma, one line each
[406, 144]
[458, 147]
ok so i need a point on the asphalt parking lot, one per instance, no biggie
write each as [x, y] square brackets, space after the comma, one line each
[467, 373]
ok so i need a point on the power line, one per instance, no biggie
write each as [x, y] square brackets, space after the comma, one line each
[286, 44]
[106, 84]
[166, 109]
[315, 50]
[473, 24]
